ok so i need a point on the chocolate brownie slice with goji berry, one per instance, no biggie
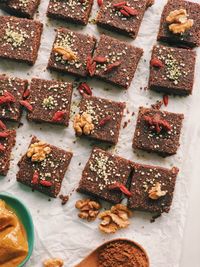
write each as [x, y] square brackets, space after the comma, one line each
[105, 176]
[180, 23]
[50, 101]
[152, 188]
[20, 39]
[158, 131]
[11, 95]
[21, 8]
[77, 11]
[115, 61]
[7, 142]
[124, 17]
[43, 167]
[99, 119]
[70, 52]
[172, 70]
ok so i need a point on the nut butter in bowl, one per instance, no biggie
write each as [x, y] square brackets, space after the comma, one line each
[16, 232]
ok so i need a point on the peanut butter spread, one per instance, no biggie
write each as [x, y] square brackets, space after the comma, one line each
[13, 239]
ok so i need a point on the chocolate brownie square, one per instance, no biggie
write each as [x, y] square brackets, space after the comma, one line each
[50, 101]
[7, 142]
[158, 131]
[70, 52]
[11, 93]
[182, 35]
[116, 61]
[77, 11]
[172, 70]
[152, 188]
[106, 116]
[21, 8]
[19, 39]
[43, 167]
[102, 170]
[122, 16]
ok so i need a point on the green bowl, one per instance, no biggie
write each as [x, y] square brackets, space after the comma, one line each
[25, 217]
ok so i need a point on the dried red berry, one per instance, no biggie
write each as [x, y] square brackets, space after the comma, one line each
[26, 93]
[59, 115]
[100, 59]
[7, 98]
[165, 100]
[112, 66]
[46, 183]
[2, 125]
[130, 10]
[4, 134]
[91, 66]
[26, 104]
[158, 123]
[84, 89]
[2, 148]
[35, 177]
[100, 2]
[155, 62]
[120, 187]
[120, 4]
[104, 121]
[126, 14]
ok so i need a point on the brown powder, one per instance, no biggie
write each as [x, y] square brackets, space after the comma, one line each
[121, 253]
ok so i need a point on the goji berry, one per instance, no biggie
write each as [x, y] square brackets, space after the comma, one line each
[26, 104]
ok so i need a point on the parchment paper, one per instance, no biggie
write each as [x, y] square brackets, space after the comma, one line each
[58, 230]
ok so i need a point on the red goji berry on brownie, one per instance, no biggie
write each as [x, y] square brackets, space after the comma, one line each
[180, 23]
[158, 131]
[172, 70]
[21, 8]
[7, 142]
[120, 61]
[50, 101]
[152, 188]
[77, 11]
[20, 39]
[99, 119]
[103, 170]
[124, 17]
[11, 93]
[43, 167]
[71, 51]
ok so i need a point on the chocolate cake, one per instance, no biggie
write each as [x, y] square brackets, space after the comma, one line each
[50, 101]
[43, 167]
[158, 131]
[19, 39]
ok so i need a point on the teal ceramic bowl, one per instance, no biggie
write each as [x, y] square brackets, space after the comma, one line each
[25, 217]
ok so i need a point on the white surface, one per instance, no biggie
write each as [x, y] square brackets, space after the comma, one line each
[58, 230]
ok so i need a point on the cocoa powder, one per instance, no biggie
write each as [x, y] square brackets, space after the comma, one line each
[121, 253]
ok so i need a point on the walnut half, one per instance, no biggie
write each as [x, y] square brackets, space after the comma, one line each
[178, 21]
[54, 262]
[66, 53]
[155, 192]
[83, 124]
[38, 151]
[89, 209]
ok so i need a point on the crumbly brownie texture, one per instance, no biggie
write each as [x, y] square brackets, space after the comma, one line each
[76, 45]
[176, 72]
[21, 8]
[158, 131]
[49, 98]
[6, 143]
[114, 51]
[76, 11]
[16, 87]
[103, 110]
[51, 170]
[19, 39]
[111, 18]
[102, 170]
[190, 38]
[144, 178]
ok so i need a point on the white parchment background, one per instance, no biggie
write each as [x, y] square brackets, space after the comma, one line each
[58, 231]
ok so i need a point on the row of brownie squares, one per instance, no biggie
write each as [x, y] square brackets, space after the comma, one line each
[49, 101]
[105, 176]
[124, 17]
